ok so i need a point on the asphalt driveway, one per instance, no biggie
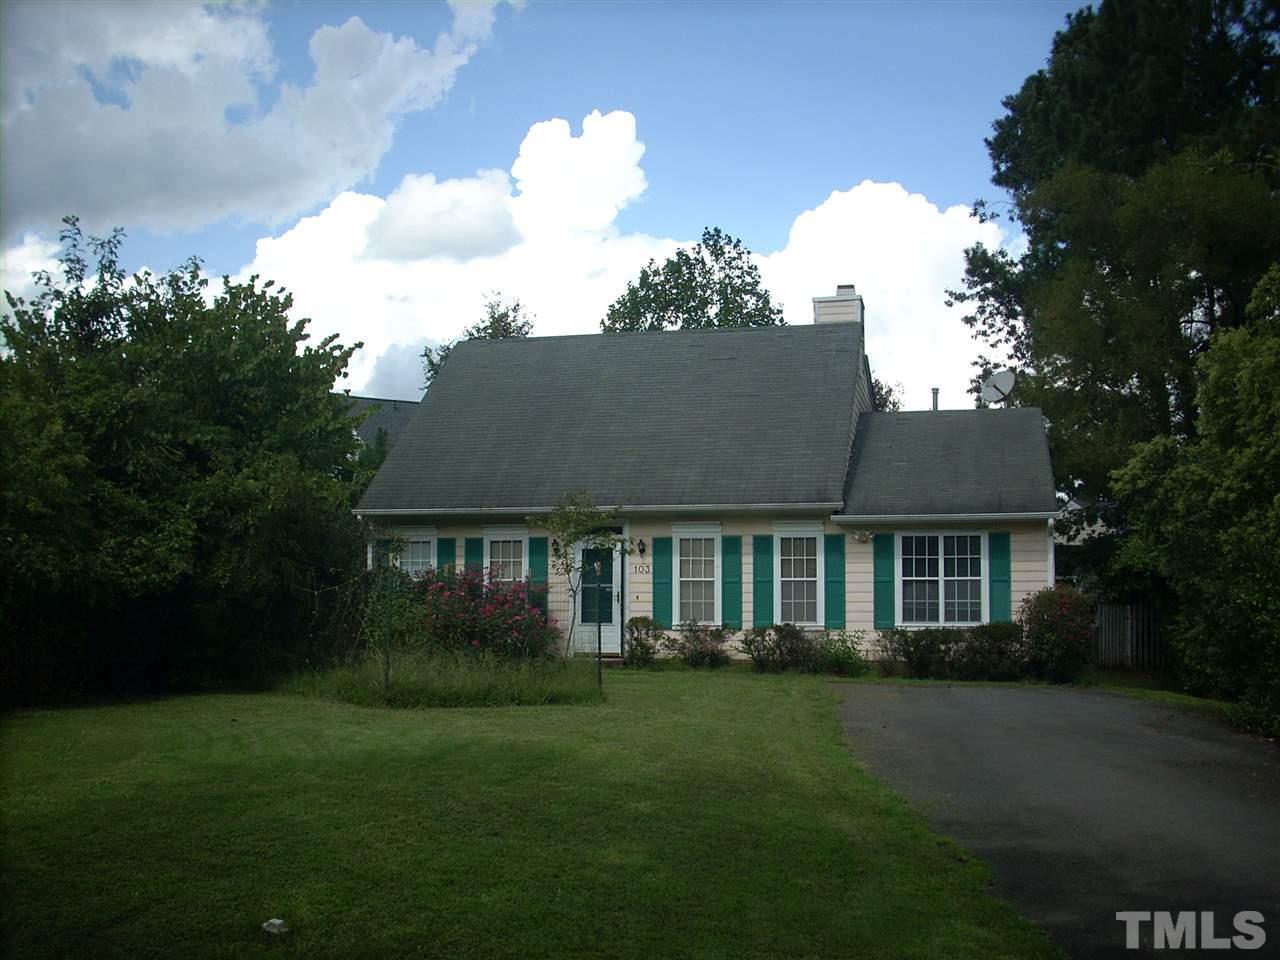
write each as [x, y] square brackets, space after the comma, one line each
[1085, 803]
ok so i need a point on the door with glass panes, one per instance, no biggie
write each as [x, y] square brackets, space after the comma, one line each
[599, 600]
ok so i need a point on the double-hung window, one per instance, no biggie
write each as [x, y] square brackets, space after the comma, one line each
[417, 550]
[798, 578]
[941, 578]
[798, 574]
[962, 578]
[417, 557]
[697, 580]
[505, 553]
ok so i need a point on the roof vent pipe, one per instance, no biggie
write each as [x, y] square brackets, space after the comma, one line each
[935, 398]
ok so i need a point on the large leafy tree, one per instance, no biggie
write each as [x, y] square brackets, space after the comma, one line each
[1142, 167]
[176, 474]
[713, 284]
[502, 321]
[1205, 515]
[1135, 82]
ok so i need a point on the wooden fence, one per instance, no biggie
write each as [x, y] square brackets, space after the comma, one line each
[1128, 635]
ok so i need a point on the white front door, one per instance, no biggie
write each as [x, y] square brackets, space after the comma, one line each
[599, 601]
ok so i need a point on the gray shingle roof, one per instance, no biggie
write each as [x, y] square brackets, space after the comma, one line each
[744, 416]
[389, 415]
[950, 462]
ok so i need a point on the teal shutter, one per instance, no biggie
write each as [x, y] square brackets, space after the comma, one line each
[446, 554]
[731, 582]
[999, 578]
[538, 572]
[882, 579]
[662, 581]
[833, 596]
[762, 580]
[473, 554]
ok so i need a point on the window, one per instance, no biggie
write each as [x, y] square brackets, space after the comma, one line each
[919, 579]
[697, 573]
[962, 578]
[506, 552]
[798, 579]
[941, 578]
[797, 573]
[697, 579]
[506, 561]
[417, 557]
[417, 549]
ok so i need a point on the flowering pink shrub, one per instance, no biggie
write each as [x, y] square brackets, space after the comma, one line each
[464, 611]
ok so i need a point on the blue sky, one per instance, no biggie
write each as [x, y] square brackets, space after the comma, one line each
[243, 148]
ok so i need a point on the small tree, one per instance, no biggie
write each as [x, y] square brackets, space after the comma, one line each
[502, 321]
[576, 525]
[390, 617]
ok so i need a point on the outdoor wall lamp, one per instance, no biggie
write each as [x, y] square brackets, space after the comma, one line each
[640, 547]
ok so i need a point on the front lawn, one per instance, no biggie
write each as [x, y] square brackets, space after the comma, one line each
[692, 814]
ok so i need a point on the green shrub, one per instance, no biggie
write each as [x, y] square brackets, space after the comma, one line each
[1257, 712]
[888, 653]
[839, 653]
[1057, 624]
[699, 645]
[755, 644]
[927, 652]
[782, 646]
[643, 636]
[434, 678]
[989, 651]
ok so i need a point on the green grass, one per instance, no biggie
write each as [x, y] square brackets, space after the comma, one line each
[1140, 686]
[421, 679]
[1171, 698]
[1126, 679]
[692, 814]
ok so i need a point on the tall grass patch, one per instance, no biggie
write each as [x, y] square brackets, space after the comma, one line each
[426, 678]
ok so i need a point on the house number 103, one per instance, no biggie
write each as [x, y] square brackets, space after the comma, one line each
[641, 568]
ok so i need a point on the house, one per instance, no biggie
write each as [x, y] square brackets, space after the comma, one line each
[388, 417]
[747, 469]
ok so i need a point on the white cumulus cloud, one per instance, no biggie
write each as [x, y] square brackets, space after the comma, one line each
[387, 272]
[19, 262]
[903, 254]
[572, 185]
[156, 114]
[459, 219]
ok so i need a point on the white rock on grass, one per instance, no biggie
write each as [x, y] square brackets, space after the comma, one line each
[275, 925]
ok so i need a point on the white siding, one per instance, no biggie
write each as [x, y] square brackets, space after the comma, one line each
[1028, 567]
[1029, 563]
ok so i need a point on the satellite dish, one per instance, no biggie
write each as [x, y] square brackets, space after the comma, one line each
[998, 386]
